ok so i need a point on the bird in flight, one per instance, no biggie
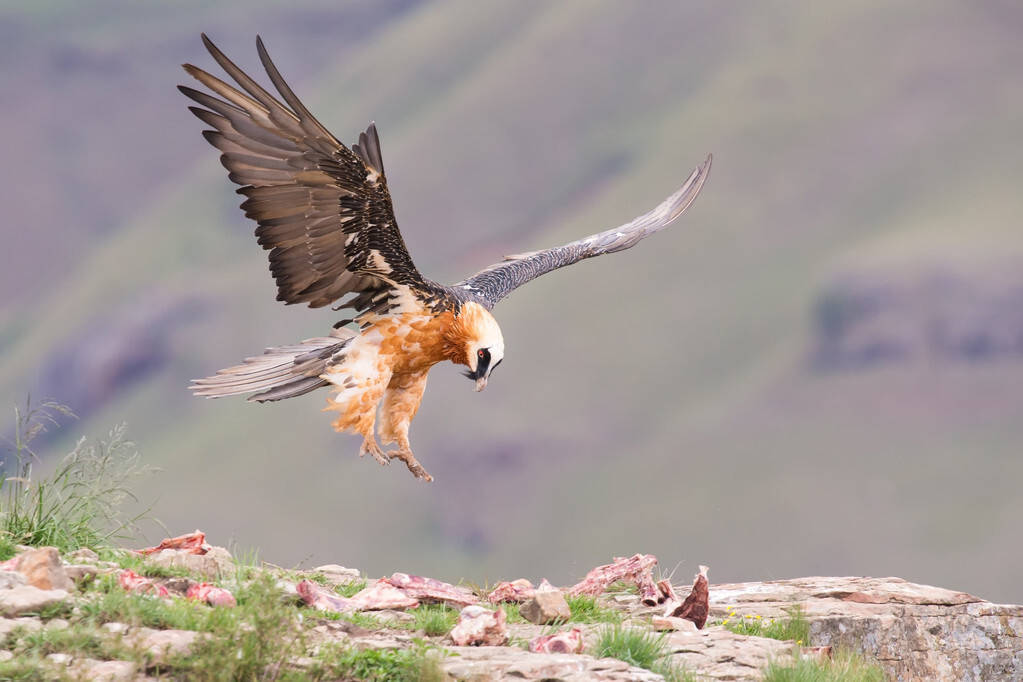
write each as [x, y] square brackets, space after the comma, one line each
[324, 213]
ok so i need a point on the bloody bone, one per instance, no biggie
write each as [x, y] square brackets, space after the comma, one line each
[667, 593]
[649, 593]
[133, 582]
[429, 589]
[696, 605]
[321, 598]
[193, 543]
[635, 569]
[478, 626]
[211, 594]
[382, 595]
[515, 591]
[569, 642]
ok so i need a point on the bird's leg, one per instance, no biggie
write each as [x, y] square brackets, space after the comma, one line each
[369, 444]
[401, 401]
[404, 453]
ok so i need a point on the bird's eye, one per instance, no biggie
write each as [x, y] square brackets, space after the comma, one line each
[480, 352]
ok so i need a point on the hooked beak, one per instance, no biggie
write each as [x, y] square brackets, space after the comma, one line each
[481, 383]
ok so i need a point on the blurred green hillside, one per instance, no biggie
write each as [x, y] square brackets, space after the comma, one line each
[817, 370]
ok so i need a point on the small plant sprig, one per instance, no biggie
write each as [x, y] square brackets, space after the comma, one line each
[795, 628]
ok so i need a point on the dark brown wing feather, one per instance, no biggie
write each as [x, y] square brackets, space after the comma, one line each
[491, 284]
[323, 210]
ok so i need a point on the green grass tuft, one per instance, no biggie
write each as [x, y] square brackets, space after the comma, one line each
[434, 619]
[350, 589]
[640, 648]
[79, 503]
[586, 609]
[845, 666]
[511, 611]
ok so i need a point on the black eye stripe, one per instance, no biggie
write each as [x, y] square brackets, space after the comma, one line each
[482, 364]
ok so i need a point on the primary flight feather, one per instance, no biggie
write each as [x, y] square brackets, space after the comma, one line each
[324, 213]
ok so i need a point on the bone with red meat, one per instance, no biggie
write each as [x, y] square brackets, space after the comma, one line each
[696, 604]
[379, 596]
[516, 591]
[133, 582]
[479, 626]
[429, 589]
[636, 569]
[211, 594]
[569, 642]
[667, 593]
[192, 543]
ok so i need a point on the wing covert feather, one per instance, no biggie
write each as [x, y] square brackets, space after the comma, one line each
[495, 282]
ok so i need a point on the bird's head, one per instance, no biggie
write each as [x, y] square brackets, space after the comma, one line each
[476, 342]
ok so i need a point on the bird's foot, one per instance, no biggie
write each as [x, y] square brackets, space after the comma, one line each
[370, 445]
[412, 463]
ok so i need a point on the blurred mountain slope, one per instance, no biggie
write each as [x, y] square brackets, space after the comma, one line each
[665, 399]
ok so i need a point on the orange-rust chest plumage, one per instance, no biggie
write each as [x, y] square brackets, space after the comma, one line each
[413, 342]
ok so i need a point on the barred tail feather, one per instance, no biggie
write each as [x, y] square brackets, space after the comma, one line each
[281, 372]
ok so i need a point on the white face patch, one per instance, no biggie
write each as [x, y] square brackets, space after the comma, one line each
[489, 337]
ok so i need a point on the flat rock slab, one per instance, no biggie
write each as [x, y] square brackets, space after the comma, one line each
[479, 664]
[719, 654]
[26, 599]
[916, 632]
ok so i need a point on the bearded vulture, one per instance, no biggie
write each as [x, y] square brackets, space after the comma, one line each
[324, 213]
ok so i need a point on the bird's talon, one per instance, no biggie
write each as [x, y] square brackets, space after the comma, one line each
[412, 463]
[374, 450]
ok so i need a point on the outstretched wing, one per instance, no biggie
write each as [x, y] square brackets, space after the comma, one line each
[492, 284]
[323, 210]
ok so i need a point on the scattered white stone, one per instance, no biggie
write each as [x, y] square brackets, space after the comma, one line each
[336, 573]
[115, 628]
[25, 598]
[6, 655]
[57, 624]
[83, 554]
[80, 573]
[59, 659]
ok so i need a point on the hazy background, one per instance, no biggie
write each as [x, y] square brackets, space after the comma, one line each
[818, 370]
